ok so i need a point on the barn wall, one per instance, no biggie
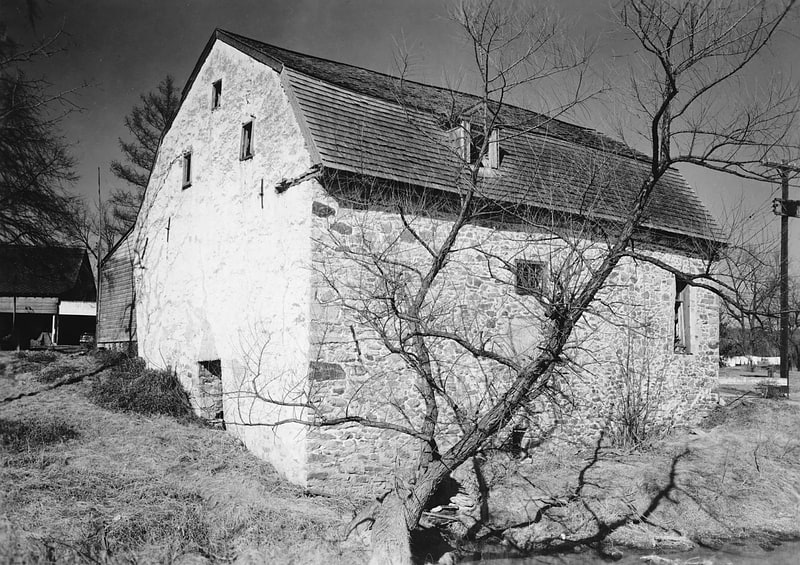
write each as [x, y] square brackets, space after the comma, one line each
[116, 309]
[221, 276]
[629, 336]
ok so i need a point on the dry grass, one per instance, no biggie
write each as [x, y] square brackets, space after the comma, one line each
[131, 488]
[738, 477]
[79, 483]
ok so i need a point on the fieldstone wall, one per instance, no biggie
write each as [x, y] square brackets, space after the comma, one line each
[625, 345]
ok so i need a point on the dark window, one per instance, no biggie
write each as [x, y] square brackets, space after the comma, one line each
[210, 397]
[476, 140]
[247, 141]
[529, 277]
[216, 94]
[187, 170]
[213, 367]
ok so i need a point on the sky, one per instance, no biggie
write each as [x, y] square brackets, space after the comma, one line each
[116, 50]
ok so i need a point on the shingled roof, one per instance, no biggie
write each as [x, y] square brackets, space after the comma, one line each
[62, 272]
[367, 122]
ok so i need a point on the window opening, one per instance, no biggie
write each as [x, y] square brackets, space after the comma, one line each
[529, 277]
[216, 94]
[681, 317]
[210, 395]
[187, 169]
[475, 145]
[469, 140]
[246, 151]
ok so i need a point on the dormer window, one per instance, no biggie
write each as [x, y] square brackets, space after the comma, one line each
[458, 139]
[468, 140]
[476, 139]
[216, 94]
[493, 152]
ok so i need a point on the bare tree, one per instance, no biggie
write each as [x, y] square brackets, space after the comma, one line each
[92, 227]
[146, 123]
[35, 164]
[689, 55]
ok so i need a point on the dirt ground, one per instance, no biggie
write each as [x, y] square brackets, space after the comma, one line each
[79, 483]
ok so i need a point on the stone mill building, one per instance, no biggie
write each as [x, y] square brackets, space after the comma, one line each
[293, 199]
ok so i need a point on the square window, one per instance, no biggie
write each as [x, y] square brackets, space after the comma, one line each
[187, 169]
[216, 94]
[529, 277]
[246, 151]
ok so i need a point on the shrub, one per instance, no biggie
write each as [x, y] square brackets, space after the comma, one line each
[54, 373]
[638, 415]
[132, 387]
[18, 435]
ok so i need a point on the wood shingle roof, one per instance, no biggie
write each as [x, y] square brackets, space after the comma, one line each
[371, 123]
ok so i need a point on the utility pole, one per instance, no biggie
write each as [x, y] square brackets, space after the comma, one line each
[100, 226]
[785, 208]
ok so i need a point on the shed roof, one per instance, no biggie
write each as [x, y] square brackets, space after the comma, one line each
[368, 122]
[63, 272]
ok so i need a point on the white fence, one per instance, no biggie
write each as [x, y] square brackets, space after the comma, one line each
[748, 360]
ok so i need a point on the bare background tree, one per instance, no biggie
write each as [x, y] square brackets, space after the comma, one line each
[146, 123]
[35, 165]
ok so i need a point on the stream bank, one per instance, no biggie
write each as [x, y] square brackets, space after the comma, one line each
[735, 477]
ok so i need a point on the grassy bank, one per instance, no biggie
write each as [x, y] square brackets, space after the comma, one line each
[736, 476]
[81, 483]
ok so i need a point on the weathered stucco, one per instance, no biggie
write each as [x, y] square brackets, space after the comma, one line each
[229, 279]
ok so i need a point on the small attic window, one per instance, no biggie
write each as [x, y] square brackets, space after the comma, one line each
[468, 141]
[216, 94]
[476, 139]
[187, 170]
[246, 151]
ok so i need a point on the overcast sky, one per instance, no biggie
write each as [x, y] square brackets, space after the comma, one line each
[122, 48]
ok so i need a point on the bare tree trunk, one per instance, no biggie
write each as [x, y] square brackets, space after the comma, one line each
[391, 542]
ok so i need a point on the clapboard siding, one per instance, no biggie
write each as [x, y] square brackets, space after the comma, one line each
[29, 305]
[116, 317]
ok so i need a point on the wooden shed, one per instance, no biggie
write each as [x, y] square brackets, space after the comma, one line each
[47, 296]
[116, 316]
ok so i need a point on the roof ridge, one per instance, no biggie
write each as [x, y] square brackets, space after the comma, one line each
[387, 75]
[443, 89]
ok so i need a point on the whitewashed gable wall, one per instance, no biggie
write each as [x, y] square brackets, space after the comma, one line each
[232, 281]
